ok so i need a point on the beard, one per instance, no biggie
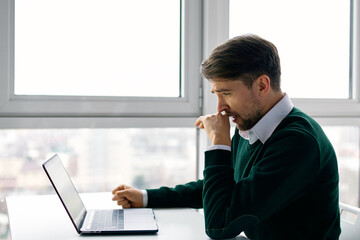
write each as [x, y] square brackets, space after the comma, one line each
[249, 122]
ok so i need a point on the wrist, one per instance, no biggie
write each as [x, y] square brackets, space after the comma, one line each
[221, 141]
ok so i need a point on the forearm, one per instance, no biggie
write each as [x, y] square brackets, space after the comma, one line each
[187, 195]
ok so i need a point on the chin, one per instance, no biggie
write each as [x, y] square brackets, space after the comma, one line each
[243, 128]
[239, 127]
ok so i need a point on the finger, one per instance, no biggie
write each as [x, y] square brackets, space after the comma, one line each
[123, 203]
[120, 194]
[126, 205]
[199, 121]
[118, 197]
[119, 188]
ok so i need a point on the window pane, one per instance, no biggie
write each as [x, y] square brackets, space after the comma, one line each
[98, 159]
[97, 47]
[312, 38]
[346, 143]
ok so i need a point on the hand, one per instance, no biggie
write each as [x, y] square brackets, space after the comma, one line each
[128, 197]
[217, 127]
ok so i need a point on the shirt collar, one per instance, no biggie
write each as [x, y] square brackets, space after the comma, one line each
[267, 124]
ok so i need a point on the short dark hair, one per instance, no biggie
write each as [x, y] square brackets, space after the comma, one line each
[244, 58]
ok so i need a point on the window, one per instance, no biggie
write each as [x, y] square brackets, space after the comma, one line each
[105, 136]
[346, 142]
[90, 49]
[77, 123]
[86, 60]
[98, 159]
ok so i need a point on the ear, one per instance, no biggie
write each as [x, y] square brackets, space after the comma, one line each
[262, 84]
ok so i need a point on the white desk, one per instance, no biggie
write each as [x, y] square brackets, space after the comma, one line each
[44, 217]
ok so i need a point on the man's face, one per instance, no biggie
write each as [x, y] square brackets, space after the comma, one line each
[238, 101]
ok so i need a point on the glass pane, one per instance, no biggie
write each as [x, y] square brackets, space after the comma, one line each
[312, 38]
[346, 143]
[97, 47]
[98, 159]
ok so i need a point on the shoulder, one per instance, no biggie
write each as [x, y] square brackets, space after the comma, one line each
[298, 130]
[300, 123]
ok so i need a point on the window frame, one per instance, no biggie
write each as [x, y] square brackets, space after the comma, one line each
[341, 108]
[84, 111]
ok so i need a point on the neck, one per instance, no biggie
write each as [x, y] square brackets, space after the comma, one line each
[271, 100]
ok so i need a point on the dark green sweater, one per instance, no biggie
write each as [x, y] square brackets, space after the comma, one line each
[286, 188]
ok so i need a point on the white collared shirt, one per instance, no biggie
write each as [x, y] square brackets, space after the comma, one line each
[264, 128]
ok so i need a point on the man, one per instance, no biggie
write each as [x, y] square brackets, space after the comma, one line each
[277, 178]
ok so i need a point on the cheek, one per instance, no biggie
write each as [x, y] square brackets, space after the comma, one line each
[242, 108]
[236, 105]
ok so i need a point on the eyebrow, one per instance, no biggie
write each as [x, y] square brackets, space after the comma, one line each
[220, 90]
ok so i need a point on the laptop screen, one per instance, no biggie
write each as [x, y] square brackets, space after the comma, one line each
[65, 189]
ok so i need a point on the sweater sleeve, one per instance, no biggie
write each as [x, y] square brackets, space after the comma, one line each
[285, 170]
[186, 195]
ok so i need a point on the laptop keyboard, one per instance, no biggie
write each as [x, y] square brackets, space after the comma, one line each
[108, 219]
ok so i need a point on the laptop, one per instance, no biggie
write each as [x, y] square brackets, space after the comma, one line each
[99, 221]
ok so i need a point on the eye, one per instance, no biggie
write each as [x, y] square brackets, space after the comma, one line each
[226, 94]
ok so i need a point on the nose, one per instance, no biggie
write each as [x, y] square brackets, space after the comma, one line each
[222, 105]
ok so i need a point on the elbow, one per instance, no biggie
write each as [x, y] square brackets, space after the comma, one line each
[219, 235]
[233, 229]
